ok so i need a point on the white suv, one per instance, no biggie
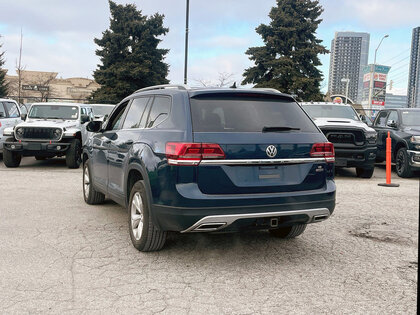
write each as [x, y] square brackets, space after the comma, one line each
[49, 130]
[9, 117]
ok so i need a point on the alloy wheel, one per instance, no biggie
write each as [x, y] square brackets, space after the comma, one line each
[86, 181]
[137, 216]
[400, 162]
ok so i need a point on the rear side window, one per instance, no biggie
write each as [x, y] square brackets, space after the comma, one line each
[135, 113]
[243, 113]
[12, 109]
[160, 111]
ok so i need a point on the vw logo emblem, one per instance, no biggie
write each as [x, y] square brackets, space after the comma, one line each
[271, 151]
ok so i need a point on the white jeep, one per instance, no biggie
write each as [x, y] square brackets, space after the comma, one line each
[48, 130]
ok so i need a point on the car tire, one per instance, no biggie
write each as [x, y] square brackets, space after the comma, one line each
[91, 196]
[289, 231]
[40, 158]
[364, 172]
[74, 154]
[11, 158]
[402, 165]
[143, 233]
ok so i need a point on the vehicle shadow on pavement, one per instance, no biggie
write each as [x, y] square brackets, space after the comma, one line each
[251, 243]
[29, 162]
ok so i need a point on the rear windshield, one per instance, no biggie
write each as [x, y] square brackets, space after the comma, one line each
[410, 118]
[242, 113]
[331, 111]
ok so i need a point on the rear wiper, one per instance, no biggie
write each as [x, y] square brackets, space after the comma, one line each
[278, 129]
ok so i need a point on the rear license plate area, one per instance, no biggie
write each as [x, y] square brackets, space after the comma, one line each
[268, 172]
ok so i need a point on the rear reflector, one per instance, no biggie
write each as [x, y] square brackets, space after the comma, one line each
[179, 153]
[325, 150]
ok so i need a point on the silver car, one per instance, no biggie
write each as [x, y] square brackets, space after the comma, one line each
[9, 117]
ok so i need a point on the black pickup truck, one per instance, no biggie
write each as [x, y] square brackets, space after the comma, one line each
[354, 141]
[404, 127]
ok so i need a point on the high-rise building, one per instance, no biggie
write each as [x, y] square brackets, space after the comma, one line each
[349, 55]
[414, 74]
[395, 97]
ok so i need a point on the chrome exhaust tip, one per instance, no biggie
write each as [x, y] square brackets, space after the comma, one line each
[319, 218]
[209, 227]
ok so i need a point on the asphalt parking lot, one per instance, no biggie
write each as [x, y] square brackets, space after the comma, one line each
[59, 255]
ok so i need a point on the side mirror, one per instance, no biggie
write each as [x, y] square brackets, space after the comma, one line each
[94, 126]
[23, 116]
[84, 119]
[391, 124]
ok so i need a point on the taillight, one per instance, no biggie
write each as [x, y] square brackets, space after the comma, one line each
[179, 153]
[324, 150]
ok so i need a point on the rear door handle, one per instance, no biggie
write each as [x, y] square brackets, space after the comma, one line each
[129, 142]
[107, 141]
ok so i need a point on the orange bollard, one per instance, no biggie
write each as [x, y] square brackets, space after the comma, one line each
[388, 159]
[388, 163]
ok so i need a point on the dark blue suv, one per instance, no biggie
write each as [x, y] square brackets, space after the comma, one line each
[207, 160]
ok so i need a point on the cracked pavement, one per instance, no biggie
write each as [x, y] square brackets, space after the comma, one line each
[60, 255]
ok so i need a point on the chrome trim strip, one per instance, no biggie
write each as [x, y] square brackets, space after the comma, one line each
[263, 161]
[183, 162]
[228, 219]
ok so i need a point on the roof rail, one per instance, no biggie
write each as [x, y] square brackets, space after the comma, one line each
[267, 89]
[164, 86]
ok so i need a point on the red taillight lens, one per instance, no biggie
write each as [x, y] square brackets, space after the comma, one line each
[211, 151]
[179, 153]
[325, 150]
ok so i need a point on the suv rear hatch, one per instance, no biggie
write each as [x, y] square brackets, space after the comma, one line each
[265, 139]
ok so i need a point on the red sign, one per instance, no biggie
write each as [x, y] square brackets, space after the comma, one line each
[380, 103]
[379, 84]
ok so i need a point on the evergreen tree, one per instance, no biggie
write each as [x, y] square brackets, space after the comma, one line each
[3, 84]
[288, 61]
[129, 54]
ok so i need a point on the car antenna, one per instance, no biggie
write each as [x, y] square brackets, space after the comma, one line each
[233, 85]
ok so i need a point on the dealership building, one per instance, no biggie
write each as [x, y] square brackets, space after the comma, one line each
[41, 86]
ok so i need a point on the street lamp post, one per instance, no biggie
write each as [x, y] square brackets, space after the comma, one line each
[372, 75]
[347, 87]
[186, 41]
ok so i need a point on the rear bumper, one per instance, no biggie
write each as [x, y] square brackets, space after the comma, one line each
[214, 223]
[355, 157]
[246, 213]
[32, 148]
[414, 159]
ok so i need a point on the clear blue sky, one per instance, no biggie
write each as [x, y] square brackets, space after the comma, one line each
[58, 35]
